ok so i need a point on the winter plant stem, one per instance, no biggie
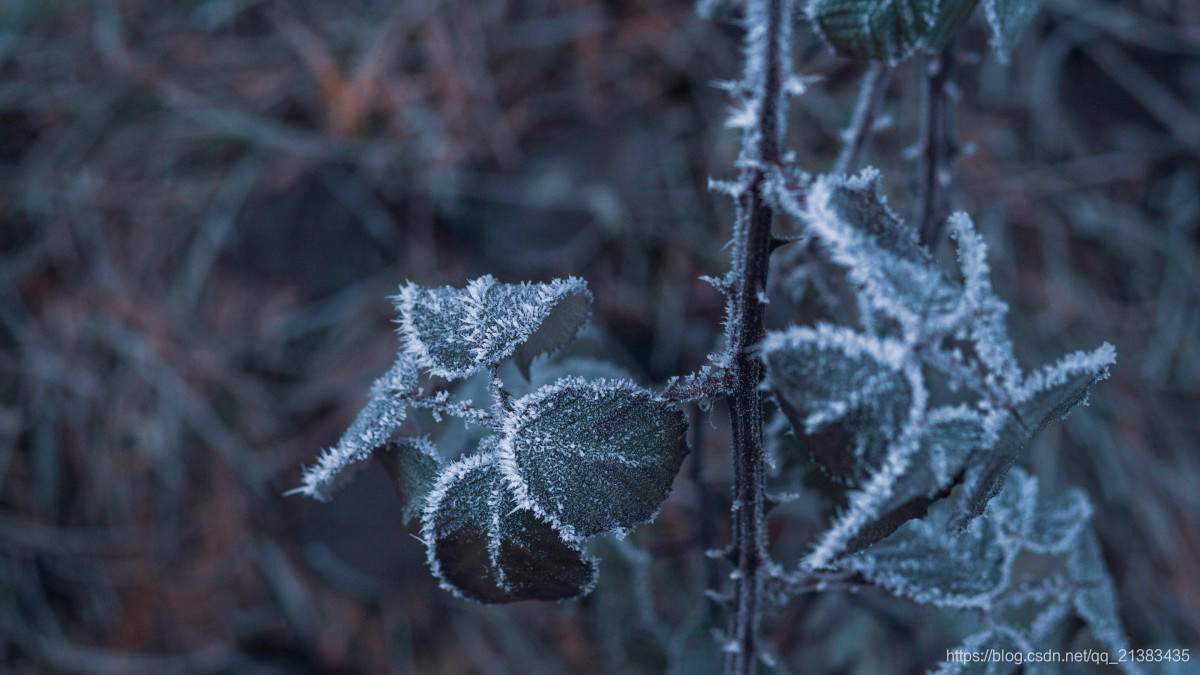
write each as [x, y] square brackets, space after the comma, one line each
[766, 75]
[937, 145]
[862, 125]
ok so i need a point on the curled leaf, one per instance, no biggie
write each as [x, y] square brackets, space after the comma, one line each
[593, 456]
[453, 332]
[414, 465]
[482, 546]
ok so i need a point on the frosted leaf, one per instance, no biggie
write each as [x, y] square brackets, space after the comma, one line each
[844, 390]
[889, 268]
[593, 456]
[373, 426]
[869, 501]
[1096, 600]
[951, 433]
[986, 329]
[886, 29]
[1047, 524]
[1044, 397]
[921, 562]
[414, 465]
[453, 332]
[1007, 20]
[1001, 638]
[482, 546]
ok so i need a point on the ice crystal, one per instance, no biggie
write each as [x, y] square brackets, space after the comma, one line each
[592, 456]
[481, 545]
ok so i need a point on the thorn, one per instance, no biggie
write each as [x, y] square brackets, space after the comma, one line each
[776, 242]
[719, 597]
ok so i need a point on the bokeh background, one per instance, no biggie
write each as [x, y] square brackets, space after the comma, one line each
[204, 206]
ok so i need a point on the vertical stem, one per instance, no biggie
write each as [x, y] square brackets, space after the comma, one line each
[937, 142]
[766, 73]
[862, 125]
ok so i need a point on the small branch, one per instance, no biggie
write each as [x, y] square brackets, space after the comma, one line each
[500, 395]
[787, 585]
[937, 145]
[705, 384]
[440, 404]
[862, 125]
[764, 87]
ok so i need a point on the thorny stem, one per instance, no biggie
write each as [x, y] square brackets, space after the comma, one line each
[764, 84]
[937, 145]
[862, 125]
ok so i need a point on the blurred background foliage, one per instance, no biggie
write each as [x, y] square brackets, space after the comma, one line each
[204, 204]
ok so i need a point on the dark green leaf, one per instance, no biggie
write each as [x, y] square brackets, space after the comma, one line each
[593, 456]
[483, 547]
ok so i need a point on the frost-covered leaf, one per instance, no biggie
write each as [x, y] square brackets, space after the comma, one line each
[921, 562]
[844, 391]
[482, 546]
[1044, 397]
[373, 426]
[454, 332]
[1008, 19]
[414, 465]
[950, 434]
[986, 330]
[1096, 599]
[1047, 524]
[593, 456]
[887, 29]
[889, 268]
[1000, 638]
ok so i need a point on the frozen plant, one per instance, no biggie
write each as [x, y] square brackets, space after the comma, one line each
[935, 511]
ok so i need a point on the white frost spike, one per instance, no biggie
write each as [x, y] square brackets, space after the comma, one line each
[452, 332]
[371, 428]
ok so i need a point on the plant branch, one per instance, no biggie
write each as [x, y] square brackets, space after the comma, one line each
[767, 73]
[862, 125]
[937, 145]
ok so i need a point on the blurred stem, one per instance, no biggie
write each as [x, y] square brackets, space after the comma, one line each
[937, 145]
[764, 86]
[862, 124]
[704, 505]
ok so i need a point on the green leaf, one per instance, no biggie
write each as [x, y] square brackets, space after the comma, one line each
[887, 29]
[452, 332]
[482, 546]
[414, 465]
[1008, 19]
[593, 456]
